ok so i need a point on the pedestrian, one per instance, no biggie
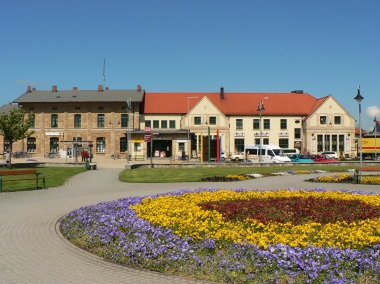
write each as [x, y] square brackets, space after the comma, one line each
[86, 155]
[83, 155]
[183, 155]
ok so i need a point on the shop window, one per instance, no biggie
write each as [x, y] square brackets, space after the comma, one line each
[256, 124]
[54, 120]
[283, 143]
[100, 144]
[266, 123]
[172, 124]
[31, 144]
[283, 124]
[124, 120]
[239, 124]
[137, 147]
[239, 145]
[100, 120]
[341, 143]
[181, 146]
[320, 143]
[77, 121]
[123, 144]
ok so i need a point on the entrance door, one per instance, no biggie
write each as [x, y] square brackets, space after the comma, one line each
[161, 148]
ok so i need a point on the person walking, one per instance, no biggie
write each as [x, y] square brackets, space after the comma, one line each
[83, 155]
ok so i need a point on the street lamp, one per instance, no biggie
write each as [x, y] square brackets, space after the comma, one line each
[359, 98]
[260, 108]
[188, 127]
[375, 121]
[114, 137]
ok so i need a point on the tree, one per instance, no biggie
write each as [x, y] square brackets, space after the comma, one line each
[14, 126]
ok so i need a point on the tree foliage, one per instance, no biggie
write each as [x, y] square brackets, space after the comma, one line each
[14, 125]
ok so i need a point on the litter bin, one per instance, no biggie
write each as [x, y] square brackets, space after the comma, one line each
[87, 164]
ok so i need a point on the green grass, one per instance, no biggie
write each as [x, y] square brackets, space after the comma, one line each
[53, 177]
[165, 175]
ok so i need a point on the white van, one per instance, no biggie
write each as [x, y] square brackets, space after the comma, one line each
[291, 151]
[265, 154]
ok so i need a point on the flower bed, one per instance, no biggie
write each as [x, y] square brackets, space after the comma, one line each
[217, 235]
[346, 178]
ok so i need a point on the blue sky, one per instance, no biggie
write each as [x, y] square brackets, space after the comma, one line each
[322, 47]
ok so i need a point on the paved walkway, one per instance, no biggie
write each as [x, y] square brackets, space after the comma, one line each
[33, 251]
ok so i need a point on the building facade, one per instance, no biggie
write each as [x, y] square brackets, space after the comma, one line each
[166, 124]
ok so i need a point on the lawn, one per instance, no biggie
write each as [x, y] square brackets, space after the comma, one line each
[164, 175]
[53, 177]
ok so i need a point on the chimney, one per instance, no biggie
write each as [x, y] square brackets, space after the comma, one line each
[138, 88]
[34, 88]
[100, 88]
[222, 93]
[297, 91]
[75, 88]
[54, 89]
[107, 89]
[28, 89]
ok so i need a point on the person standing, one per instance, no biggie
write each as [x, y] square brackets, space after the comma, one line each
[83, 155]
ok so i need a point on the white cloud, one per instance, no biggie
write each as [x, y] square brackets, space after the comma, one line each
[373, 111]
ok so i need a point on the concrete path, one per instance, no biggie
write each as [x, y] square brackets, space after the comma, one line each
[32, 249]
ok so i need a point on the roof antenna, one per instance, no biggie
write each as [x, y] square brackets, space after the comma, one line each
[104, 72]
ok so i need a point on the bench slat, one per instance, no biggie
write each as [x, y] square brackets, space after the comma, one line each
[368, 169]
[17, 172]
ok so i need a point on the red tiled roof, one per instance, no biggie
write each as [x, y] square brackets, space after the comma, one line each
[233, 103]
[357, 131]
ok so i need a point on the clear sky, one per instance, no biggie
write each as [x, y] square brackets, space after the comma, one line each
[322, 47]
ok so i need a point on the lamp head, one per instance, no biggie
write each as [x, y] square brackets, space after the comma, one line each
[358, 97]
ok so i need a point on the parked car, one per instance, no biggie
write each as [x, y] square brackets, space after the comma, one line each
[299, 158]
[323, 159]
[290, 151]
[237, 157]
[330, 153]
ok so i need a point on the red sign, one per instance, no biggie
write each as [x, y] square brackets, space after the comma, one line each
[147, 129]
[155, 134]
[147, 138]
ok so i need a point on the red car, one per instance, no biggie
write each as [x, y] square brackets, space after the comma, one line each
[323, 159]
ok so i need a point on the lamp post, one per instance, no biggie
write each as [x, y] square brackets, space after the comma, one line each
[260, 108]
[359, 98]
[375, 121]
[188, 127]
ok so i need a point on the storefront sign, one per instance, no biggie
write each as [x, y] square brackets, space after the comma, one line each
[147, 138]
[53, 133]
[239, 134]
[147, 129]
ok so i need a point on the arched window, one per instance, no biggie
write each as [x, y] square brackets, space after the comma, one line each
[123, 144]
[100, 120]
[54, 120]
[54, 144]
[100, 144]
[31, 144]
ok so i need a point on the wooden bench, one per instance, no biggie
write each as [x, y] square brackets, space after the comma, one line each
[140, 157]
[359, 172]
[22, 172]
